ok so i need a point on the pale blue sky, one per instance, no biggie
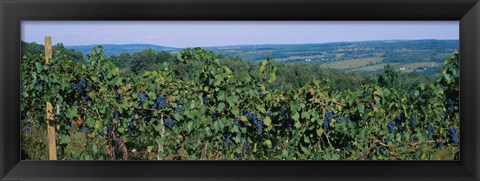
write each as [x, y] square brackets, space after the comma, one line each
[182, 34]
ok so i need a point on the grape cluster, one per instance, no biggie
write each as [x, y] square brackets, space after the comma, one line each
[259, 125]
[81, 88]
[80, 127]
[23, 114]
[161, 102]
[169, 123]
[83, 82]
[261, 94]
[256, 122]
[327, 119]
[229, 142]
[290, 125]
[451, 105]
[412, 121]
[239, 134]
[288, 121]
[142, 97]
[84, 99]
[341, 120]
[178, 110]
[117, 95]
[181, 102]
[109, 128]
[154, 106]
[250, 116]
[87, 133]
[308, 96]
[130, 128]
[355, 117]
[205, 100]
[116, 115]
[429, 130]
[454, 135]
[215, 115]
[72, 86]
[244, 145]
[440, 145]
[399, 121]
[391, 127]
[27, 127]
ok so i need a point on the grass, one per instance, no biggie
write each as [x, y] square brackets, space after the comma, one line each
[372, 67]
[410, 67]
[354, 63]
[373, 64]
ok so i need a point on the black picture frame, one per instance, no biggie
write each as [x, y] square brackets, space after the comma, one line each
[12, 12]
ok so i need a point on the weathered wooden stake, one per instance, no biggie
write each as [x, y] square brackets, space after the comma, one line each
[52, 145]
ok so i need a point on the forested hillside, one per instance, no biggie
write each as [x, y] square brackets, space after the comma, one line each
[365, 57]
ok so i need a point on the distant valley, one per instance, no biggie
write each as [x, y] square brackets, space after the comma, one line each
[364, 57]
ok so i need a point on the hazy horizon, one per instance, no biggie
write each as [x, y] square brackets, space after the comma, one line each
[250, 44]
[181, 34]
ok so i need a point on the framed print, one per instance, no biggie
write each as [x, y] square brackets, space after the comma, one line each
[241, 90]
[244, 90]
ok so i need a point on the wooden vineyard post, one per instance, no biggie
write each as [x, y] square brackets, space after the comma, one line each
[52, 145]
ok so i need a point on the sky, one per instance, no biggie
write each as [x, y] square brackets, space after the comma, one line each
[181, 34]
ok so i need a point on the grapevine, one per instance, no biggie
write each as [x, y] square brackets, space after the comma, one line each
[159, 115]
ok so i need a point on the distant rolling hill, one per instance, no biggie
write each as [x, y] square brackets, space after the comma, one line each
[111, 49]
[329, 52]
[364, 57]
[423, 56]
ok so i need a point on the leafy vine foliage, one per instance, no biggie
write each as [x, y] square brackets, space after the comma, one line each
[103, 112]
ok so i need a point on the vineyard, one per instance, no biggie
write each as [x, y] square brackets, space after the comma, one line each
[102, 112]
